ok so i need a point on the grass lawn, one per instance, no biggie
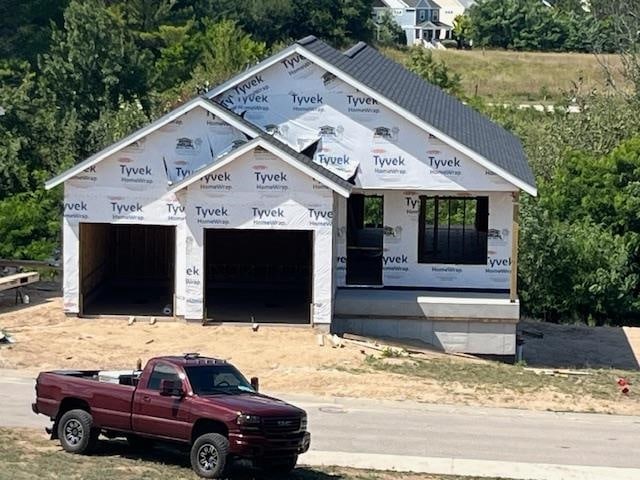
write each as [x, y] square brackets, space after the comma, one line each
[492, 380]
[522, 76]
[29, 455]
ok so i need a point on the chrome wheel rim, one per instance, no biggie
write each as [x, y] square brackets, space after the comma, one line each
[208, 457]
[73, 432]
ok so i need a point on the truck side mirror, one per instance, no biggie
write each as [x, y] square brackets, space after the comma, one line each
[171, 388]
[255, 383]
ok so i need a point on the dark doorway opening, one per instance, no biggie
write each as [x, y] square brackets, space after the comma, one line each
[365, 232]
[127, 269]
[258, 275]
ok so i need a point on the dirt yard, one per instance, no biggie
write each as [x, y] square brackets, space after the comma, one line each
[289, 360]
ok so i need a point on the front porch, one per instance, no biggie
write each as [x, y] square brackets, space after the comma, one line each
[434, 31]
[469, 322]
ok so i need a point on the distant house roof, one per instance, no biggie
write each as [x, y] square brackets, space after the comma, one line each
[429, 103]
[434, 24]
[416, 3]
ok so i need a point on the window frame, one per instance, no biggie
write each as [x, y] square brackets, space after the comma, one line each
[163, 364]
[422, 256]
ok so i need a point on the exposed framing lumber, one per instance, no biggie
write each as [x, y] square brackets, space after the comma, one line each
[18, 280]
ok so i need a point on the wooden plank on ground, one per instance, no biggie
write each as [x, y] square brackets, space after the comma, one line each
[18, 280]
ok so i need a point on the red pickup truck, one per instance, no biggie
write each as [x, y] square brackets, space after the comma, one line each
[203, 403]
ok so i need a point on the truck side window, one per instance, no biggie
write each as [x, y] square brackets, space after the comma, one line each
[160, 372]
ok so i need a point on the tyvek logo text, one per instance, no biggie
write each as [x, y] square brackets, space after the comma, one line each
[75, 210]
[126, 210]
[268, 216]
[385, 164]
[217, 182]
[320, 217]
[306, 102]
[295, 64]
[212, 215]
[176, 211]
[270, 181]
[449, 167]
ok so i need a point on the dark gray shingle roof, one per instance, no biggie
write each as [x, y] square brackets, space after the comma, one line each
[428, 102]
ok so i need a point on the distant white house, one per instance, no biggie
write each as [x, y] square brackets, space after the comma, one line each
[425, 22]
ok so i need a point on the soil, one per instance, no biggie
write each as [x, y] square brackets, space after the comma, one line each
[286, 359]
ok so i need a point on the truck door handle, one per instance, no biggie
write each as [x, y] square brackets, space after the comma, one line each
[146, 398]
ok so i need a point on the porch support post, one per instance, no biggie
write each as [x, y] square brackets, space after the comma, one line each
[513, 287]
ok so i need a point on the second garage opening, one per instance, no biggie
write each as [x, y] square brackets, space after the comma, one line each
[258, 275]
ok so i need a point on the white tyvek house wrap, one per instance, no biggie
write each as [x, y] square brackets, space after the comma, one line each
[255, 191]
[301, 103]
[261, 192]
[400, 258]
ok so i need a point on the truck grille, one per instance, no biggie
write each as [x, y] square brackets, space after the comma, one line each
[278, 425]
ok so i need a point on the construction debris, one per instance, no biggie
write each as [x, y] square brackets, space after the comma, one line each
[320, 339]
[562, 372]
[152, 321]
[131, 321]
[5, 338]
[336, 341]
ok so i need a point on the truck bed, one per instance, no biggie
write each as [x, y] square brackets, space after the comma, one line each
[110, 400]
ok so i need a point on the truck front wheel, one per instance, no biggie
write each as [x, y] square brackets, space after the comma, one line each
[76, 432]
[209, 455]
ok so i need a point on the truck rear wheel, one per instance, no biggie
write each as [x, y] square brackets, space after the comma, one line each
[209, 455]
[76, 432]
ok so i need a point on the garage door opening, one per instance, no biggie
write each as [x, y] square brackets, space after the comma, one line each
[127, 269]
[258, 275]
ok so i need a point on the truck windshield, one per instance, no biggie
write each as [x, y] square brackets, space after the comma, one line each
[217, 379]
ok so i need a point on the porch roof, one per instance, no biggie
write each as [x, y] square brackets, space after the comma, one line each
[433, 25]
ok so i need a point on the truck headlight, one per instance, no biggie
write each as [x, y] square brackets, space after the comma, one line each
[303, 422]
[246, 420]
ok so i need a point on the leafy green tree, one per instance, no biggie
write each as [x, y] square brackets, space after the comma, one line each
[226, 49]
[532, 25]
[434, 71]
[93, 64]
[25, 27]
[30, 225]
[462, 30]
[113, 125]
[388, 32]
[178, 57]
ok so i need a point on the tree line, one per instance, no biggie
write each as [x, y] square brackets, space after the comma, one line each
[536, 25]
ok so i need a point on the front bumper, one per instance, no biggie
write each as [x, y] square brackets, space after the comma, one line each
[258, 446]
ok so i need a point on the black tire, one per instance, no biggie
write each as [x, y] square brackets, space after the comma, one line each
[76, 432]
[282, 467]
[209, 455]
[139, 444]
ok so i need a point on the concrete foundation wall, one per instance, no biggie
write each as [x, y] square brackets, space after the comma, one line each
[462, 336]
[465, 322]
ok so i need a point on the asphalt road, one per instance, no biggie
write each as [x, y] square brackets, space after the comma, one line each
[419, 430]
